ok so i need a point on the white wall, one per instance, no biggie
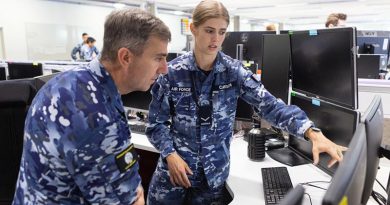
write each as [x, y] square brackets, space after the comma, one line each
[17, 17]
[178, 41]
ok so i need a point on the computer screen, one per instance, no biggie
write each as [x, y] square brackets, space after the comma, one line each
[368, 66]
[276, 65]
[3, 75]
[40, 81]
[347, 183]
[18, 70]
[323, 64]
[138, 99]
[373, 44]
[172, 56]
[247, 46]
[373, 120]
[337, 123]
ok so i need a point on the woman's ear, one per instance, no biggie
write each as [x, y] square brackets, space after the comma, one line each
[192, 28]
[125, 57]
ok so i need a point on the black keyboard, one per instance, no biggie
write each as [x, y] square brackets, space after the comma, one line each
[137, 128]
[276, 183]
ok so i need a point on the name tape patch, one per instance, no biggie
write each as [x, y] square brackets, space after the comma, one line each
[181, 89]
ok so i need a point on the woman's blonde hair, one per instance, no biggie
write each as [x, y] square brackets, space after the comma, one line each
[208, 9]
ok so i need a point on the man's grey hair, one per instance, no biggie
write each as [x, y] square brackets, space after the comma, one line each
[131, 29]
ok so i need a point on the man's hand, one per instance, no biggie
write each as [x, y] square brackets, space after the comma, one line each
[178, 170]
[140, 196]
[323, 144]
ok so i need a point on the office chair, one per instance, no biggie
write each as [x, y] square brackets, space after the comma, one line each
[15, 98]
[294, 196]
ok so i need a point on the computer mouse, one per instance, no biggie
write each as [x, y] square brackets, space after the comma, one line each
[271, 144]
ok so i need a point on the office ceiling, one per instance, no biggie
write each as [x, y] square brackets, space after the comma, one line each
[361, 13]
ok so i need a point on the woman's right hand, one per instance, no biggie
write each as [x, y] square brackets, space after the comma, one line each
[178, 170]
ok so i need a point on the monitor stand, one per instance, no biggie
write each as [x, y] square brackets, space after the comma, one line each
[287, 156]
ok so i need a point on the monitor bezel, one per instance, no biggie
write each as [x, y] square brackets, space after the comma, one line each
[353, 82]
[301, 141]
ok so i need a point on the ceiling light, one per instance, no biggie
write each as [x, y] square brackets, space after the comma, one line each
[119, 5]
[178, 13]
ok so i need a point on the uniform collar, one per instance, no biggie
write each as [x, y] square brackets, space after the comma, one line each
[218, 67]
[100, 74]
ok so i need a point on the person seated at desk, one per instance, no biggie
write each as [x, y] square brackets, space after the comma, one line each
[192, 113]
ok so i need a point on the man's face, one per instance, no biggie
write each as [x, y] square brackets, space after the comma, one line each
[341, 23]
[85, 37]
[91, 44]
[145, 68]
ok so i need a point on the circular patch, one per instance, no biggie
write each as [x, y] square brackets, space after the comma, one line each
[128, 158]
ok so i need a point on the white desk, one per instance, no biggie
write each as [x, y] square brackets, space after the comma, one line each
[245, 182]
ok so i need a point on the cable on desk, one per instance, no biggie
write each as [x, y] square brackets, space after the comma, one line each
[381, 185]
[378, 198]
[315, 186]
[309, 198]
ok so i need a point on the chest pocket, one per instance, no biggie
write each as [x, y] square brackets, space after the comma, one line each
[225, 100]
[183, 103]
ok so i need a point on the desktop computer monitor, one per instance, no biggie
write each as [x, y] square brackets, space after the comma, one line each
[373, 44]
[172, 56]
[40, 81]
[244, 111]
[347, 183]
[368, 66]
[373, 120]
[276, 65]
[138, 100]
[337, 123]
[3, 75]
[323, 65]
[18, 70]
[245, 45]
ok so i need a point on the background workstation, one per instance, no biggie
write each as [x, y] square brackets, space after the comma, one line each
[42, 40]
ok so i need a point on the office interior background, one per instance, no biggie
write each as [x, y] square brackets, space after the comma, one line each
[47, 30]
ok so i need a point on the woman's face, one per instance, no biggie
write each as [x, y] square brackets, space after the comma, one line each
[210, 35]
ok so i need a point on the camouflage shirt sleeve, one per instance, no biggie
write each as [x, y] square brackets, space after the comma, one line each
[159, 116]
[289, 118]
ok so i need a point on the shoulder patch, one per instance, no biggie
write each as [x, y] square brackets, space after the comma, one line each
[127, 158]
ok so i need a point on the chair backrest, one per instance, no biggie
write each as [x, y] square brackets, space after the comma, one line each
[15, 99]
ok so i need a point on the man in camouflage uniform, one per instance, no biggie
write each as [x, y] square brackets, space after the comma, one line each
[76, 49]
[77, 147]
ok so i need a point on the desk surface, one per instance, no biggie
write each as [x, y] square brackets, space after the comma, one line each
[245, 183]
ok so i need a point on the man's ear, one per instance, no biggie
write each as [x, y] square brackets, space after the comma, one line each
[125, 57]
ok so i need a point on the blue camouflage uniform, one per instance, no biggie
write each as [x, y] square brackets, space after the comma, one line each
[86, 52]
[76, 143]
[174, 123]
[76, 50]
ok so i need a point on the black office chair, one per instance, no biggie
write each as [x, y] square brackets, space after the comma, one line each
[294, 196]
[15, 99]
